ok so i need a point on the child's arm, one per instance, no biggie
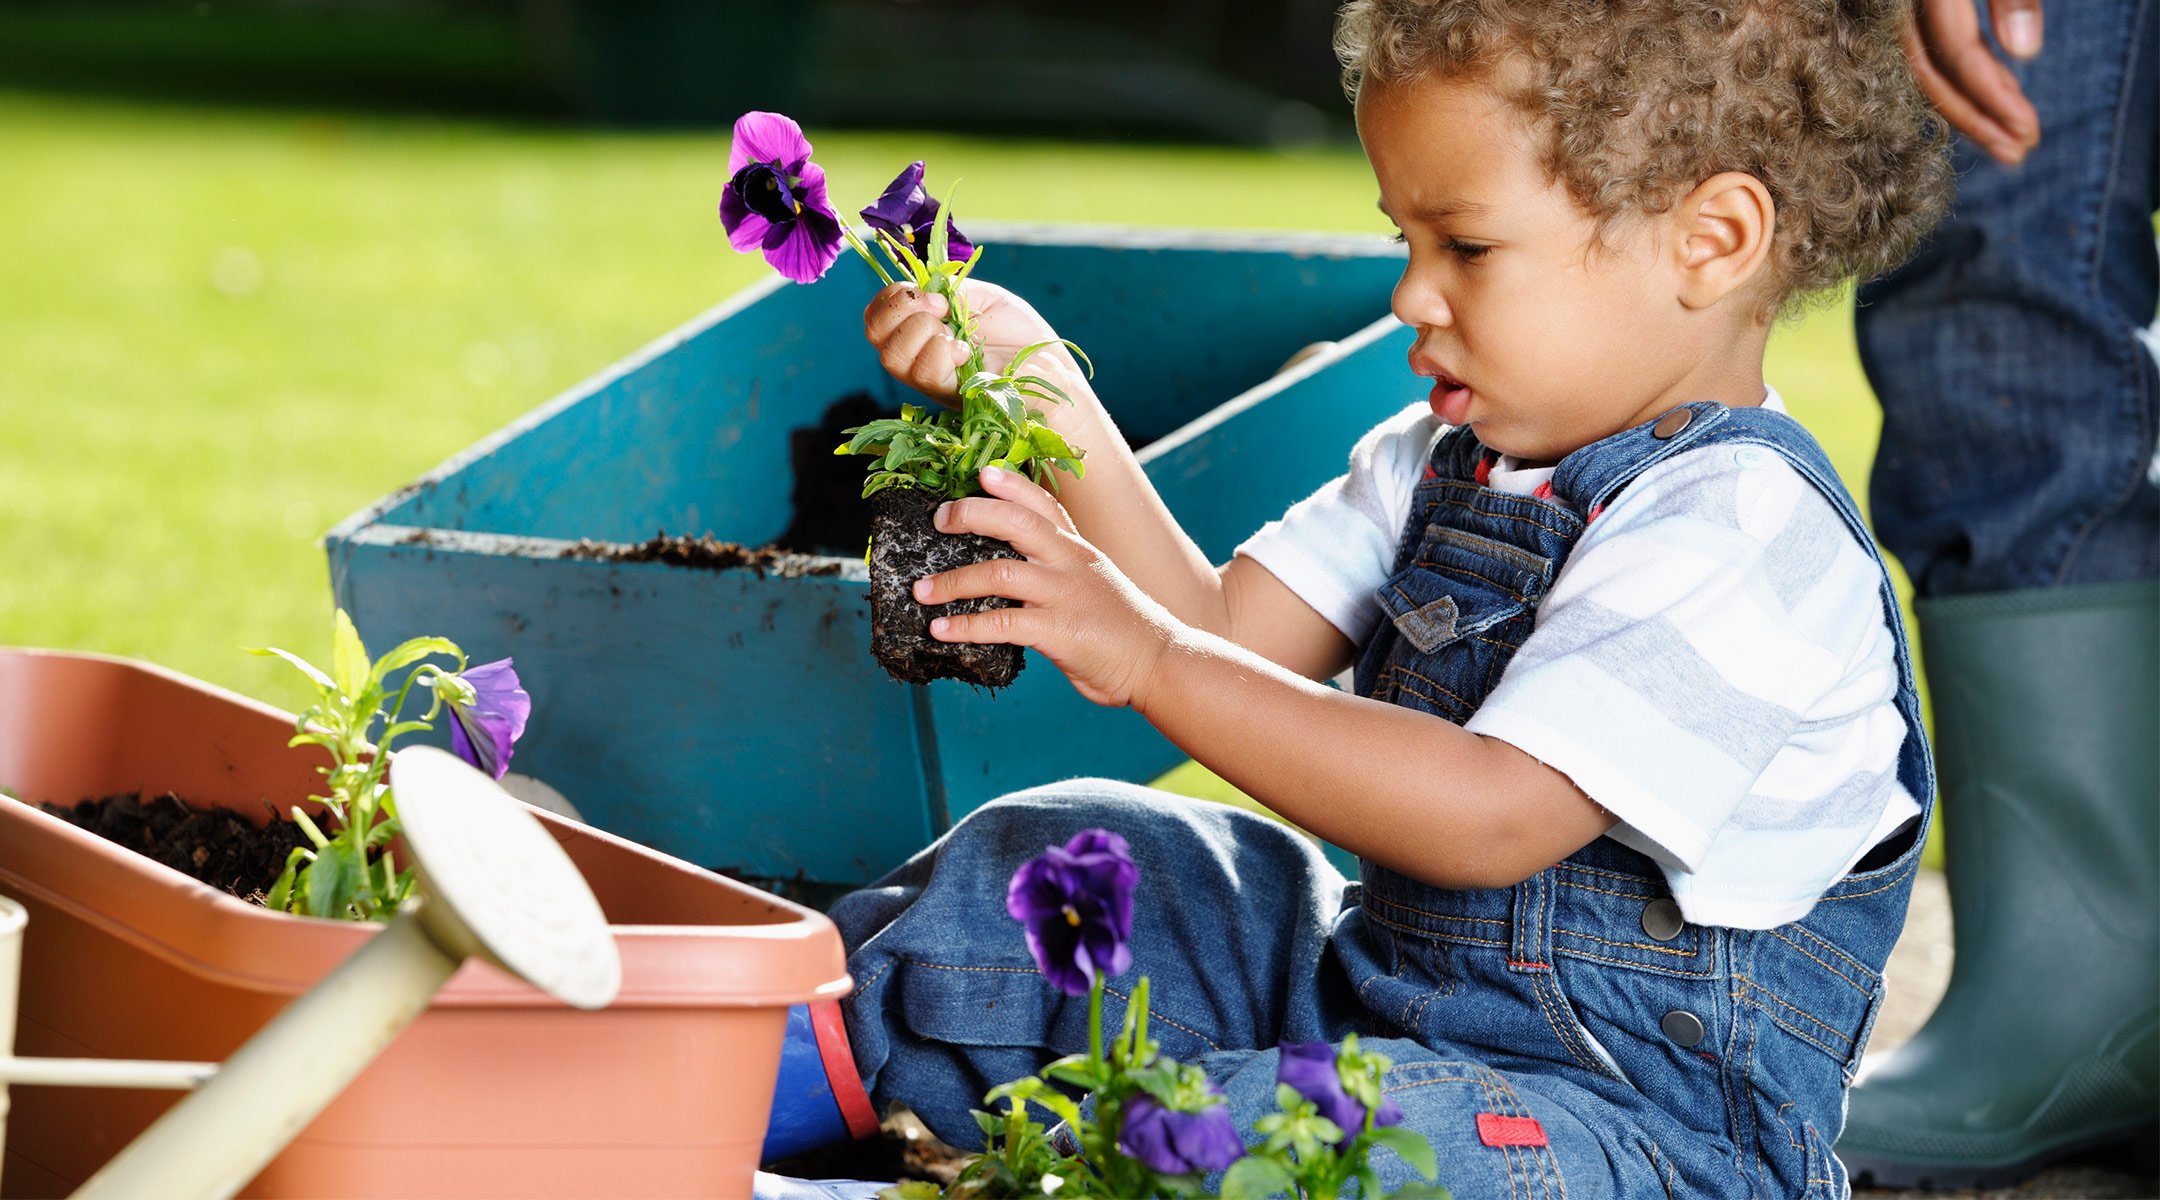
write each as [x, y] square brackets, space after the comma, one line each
[1115, 505]
[1407, 789]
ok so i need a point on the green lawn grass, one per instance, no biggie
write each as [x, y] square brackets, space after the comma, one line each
[223, 330]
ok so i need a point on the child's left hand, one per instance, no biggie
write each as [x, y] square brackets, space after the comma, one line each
[1078, 609]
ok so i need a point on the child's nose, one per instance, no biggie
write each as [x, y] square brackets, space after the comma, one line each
[1417, 302]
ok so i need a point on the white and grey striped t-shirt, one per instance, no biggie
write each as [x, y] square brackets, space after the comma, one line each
[1712, 665]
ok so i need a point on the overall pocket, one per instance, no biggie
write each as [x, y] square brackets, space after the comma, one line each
[1457, 613]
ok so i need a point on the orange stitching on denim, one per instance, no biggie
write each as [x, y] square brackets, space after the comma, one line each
[1432, 934]
[1433, 682]
[1825, 943]
[1583, 1056]
[864, 986]
[1394, 903]
[1501, 516]
[916, 962]
[1640, 965]
[1580, 869]
[1609, 892]
[1156, 1016]
[1835, 1031]
[1743, 997]
[1452, 701]
[1863, 989]
[1558, 932]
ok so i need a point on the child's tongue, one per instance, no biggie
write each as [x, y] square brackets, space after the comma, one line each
[1451, 401]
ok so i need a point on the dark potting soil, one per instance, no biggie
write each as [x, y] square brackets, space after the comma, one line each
[215, 845]
[904, 547]
[704, 553]
[831, 515]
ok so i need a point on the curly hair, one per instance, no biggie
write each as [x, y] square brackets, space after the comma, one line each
[1641, 100]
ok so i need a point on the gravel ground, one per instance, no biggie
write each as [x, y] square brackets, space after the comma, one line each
[1919, 971]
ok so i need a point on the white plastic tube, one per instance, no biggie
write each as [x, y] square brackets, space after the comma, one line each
[213, 1142]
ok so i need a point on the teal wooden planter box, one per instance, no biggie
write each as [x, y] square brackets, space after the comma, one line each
[735, 717]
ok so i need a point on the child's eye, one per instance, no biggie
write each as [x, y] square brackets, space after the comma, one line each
[1467, 251]
[1397, 237]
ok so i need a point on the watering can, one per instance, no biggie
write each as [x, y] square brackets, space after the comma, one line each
[493, 884]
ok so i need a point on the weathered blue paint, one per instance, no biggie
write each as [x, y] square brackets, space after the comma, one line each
[738, 720]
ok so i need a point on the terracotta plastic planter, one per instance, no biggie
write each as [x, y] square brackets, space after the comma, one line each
[496, 1091]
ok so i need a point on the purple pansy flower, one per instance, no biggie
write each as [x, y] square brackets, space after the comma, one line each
[1076, 901]
[775, 200]
[484, 732]
[1175, 1143]
[1310, 1067]
[909, 213]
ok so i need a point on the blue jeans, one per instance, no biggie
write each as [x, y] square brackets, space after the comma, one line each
[2019, 407]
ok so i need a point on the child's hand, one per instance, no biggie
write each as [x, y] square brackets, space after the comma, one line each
[907, 325]
[1078, 608]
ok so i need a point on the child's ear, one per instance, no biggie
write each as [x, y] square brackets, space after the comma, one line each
[1725, 230]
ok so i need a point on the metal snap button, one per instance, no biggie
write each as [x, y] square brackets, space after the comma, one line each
[1683, 1027]
[1670, 425]
[1661, 919]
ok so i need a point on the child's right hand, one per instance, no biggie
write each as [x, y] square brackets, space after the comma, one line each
[907, 325]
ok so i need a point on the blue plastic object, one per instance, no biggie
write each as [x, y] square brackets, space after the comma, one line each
[805, 1114]
[735, 718]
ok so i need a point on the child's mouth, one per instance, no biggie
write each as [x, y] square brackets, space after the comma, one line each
[1450, 399]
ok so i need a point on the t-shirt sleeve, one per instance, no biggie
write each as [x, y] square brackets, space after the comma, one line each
[1334, 548]
[1713, 663]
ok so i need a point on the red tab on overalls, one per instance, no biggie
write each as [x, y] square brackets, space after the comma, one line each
[1496, 1130]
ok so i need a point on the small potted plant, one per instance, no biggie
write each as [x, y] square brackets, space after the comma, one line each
[496, 1090]
[776, 203]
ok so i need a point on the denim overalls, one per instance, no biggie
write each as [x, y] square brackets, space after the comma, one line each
[1568, 1036]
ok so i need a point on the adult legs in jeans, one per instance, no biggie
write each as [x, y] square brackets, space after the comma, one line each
[1230, 923]
[2016, 483]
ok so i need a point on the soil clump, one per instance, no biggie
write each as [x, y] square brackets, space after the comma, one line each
[214, 845]
[706, 553]
[905, 546]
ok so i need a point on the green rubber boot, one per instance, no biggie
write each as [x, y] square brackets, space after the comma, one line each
[2047, 721]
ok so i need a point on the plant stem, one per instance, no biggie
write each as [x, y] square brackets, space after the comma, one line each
[1095, 1022]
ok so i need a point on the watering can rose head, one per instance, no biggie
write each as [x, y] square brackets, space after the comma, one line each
[1076, 902]
[775, 199]
[488, 714]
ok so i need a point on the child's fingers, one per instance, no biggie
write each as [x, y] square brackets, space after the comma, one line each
[1029, 532]
[1019, 489]
[1013, 626]
[919, 353]
[1012, 578]
[895, 303]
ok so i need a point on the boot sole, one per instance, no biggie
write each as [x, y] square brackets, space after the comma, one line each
[2140, 1141]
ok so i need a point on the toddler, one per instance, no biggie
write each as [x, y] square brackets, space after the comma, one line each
[1633, 764]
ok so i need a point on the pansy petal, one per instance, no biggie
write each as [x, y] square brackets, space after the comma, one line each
[745, 229]
[903, 199]
[810, 189]
[806, 251]
[766, 137]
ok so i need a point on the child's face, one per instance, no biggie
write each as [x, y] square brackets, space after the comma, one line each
[1534, 333]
